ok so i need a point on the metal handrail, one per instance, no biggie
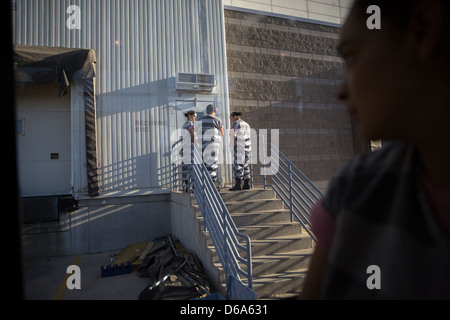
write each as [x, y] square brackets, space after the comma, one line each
[298, 193]
[218, 221]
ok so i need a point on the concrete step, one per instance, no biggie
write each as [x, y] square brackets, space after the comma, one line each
[254, 211]
[280, 244]
[255, 217]
[260, 217]
[243, 195]
[266, 247]
[252, 194]
[271, 286]
[248, 200]
[270, 230]
[281, 262]
[273, 277]
[254, 205]
[269, 233]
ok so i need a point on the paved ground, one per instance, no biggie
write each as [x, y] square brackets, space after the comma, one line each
[45, 279]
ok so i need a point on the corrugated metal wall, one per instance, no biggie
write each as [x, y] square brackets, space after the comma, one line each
[140, 46]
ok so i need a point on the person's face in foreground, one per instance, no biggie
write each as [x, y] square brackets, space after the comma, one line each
[382, 78]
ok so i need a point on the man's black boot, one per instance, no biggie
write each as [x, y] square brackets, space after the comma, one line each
[237, 185]
[246, 184]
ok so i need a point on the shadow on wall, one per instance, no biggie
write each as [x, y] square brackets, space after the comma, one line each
[133, 136]
[100, 224]
[134, 173]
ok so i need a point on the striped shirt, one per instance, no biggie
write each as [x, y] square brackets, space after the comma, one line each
[380, 216]
[188, 125]
[242, 135]
[242, 148]
[208, 130]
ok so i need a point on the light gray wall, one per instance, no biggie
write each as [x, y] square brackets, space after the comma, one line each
[102, 224]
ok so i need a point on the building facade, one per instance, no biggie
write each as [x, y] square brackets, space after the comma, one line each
[141, 47]
[283, 74]
[273, 60]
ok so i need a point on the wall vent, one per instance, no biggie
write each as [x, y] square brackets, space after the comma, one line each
[195, 82]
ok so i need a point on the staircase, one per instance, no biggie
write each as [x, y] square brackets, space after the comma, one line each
[280, 250]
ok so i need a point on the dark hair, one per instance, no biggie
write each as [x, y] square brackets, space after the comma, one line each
[210, 109]
[238, 114]
[189, 113]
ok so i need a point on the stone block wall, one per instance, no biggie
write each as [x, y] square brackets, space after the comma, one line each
[283, 74]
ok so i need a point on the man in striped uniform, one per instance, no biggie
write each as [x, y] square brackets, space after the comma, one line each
[210, 131]
[191, 116]
[241, 139]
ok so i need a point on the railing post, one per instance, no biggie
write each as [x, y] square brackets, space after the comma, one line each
[225, 244]
[249, 266]
[264, 175]
[290, 191]
[172, 177]
[203, 191]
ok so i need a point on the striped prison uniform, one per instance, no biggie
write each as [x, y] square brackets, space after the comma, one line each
[186, 167]
[210, 141]
[242, 148]
[383, 217]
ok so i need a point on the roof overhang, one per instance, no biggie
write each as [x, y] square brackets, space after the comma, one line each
[38, 64]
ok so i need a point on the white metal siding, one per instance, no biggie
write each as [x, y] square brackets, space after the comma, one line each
[140, 46]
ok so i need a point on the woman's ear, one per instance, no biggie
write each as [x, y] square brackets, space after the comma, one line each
[426, 27]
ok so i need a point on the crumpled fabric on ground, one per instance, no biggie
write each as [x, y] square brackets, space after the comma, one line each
[174, 273]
